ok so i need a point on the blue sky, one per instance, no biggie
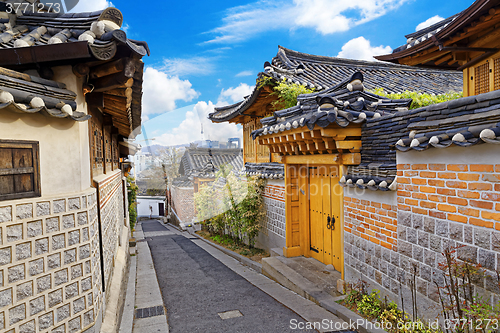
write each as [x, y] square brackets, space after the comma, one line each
[209, 52]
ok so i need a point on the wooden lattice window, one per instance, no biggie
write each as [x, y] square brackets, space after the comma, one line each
[482, 78]
[19, 169]
[96, 150]
[108, 156]
[116, 155]
[496, 73]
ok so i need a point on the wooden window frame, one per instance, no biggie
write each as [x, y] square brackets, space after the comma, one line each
[35, 149]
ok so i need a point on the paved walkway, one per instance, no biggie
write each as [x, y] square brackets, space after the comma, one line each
[204, 290]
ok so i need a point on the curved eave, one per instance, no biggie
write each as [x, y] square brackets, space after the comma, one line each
[236, 109]
[465, 18]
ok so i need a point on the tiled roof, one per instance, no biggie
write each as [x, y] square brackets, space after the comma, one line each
[322, 73]
[265, 170]
[101, 30]
[463, 122]
[23, 93]
[182, 181]
[205, 162]
[344, 104]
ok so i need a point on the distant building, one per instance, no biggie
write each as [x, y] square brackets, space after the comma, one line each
[198, 167]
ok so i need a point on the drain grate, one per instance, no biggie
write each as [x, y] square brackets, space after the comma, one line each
[149, 312]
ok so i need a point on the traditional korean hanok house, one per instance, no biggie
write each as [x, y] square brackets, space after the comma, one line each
[320, 73]
[70, 92]
[198, 167]
[370, 189]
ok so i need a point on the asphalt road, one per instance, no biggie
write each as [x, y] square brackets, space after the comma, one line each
[196, 287]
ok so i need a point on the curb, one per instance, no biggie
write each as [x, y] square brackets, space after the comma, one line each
[243, 260]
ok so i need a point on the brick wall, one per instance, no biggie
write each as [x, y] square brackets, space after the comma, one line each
[439, 205]
[372, 221]
[183, 203]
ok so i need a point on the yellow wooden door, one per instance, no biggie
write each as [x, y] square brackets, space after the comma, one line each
[324, 212]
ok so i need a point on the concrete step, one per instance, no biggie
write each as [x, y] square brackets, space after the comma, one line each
[276, 252]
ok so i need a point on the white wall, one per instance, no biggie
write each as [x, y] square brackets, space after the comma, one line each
[143, 204]
[64, 143]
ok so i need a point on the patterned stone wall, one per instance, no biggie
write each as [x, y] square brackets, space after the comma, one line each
[183, 203]
[439, 206]
[274, 203]
[111, 206]
[47, 265]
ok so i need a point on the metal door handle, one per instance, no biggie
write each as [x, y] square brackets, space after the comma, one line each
[333, 223]
[328, 224]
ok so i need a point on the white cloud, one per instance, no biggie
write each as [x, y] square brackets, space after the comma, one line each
[161, 91]
[429, 22]
[190, 128]
[233, 95]
[91, 6]
[244, 73]
[361, 49]
[188, 66]
[324, 16]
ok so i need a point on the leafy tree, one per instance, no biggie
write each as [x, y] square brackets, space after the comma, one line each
[419, 99]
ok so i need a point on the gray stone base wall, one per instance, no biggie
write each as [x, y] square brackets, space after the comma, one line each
[47, 266]
[421, 240]
[273, 225]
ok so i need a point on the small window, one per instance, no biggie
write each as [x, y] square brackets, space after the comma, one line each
[19, 169]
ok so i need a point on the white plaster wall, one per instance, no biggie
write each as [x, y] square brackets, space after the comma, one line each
[276, 182]
[478, 154]
[64, 143]
[144, 203]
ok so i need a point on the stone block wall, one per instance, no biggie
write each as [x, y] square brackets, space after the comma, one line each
[183, 203]
[275, 219]
[439, 206]
[48, 280]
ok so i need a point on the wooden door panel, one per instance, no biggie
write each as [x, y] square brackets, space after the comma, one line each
[316, 214]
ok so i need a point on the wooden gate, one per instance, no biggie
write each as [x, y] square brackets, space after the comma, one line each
[324, 215]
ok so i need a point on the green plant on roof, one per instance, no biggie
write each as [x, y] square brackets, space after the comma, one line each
[287, 92]
[419, 99]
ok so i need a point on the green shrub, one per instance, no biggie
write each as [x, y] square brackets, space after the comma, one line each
[287, 92]
[419, 99]
[132, 203]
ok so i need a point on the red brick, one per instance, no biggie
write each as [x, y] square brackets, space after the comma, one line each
[468, 176]
[427, 174]
[457, 218]
[392, 227]
[436, 182]
[355, 200]
[445, 191]
[468, 211]
[376, 204]
[457, 201]
[497, 226]
[481, 204]
[386, 245]
[347, 229]
[447, 208]
[437, 167]
[491, 177]
[365, 236]
[480, 186]
[411, 188]
[458, 167]
[481, 223]
[481, 167]
[419, 166]
[347, 199]
[404, 166]
[392, 241]
[497, 207]
[490, 196]
[427, 204]
[411, 173]
[436, 214]
[404, 194]
[417, 210]
[387, 233]
[399, 173]
[386, 207]
[419, 181]
[427, 189]
[468, 194]
[394, 214]
[437, 198]
[420, 196]
[374, 240]
[403, 180]
[404, 207]
[447, 175]
[456, 184]
[490, 216]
